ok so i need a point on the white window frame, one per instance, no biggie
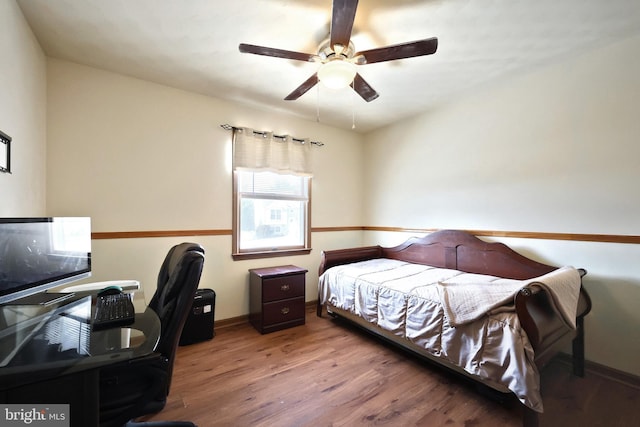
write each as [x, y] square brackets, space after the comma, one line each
[244, 253]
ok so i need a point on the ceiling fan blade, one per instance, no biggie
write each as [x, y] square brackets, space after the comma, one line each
[399, 51]
[364, 89]
[277, 53]
[303, 88]
[342, 17]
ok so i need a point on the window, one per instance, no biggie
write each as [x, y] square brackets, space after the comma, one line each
[271, 213]
[271, 194]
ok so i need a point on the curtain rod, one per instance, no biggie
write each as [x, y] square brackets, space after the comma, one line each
[227, 126]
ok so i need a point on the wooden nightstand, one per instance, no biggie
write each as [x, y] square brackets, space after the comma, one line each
[276, 297]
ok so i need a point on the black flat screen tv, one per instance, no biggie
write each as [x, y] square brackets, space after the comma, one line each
[37, 254]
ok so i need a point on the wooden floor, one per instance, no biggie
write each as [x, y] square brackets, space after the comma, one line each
[328, 374]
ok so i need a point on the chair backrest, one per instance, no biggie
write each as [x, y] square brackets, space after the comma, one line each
[178, 281]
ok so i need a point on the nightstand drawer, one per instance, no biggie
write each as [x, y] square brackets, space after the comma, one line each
[284, 287]
[283, 311]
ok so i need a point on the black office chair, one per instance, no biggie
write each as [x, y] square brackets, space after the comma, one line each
[140, 387]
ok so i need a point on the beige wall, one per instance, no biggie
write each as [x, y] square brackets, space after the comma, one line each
[136, 156]
[554, 151]
[22, 115]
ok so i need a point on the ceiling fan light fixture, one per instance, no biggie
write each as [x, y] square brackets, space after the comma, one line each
[337, 74]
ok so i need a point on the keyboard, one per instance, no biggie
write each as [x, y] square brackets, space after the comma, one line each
[113, 310]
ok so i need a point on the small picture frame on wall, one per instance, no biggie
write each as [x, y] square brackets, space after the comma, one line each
[5, 153]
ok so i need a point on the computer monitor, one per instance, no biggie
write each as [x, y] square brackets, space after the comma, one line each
[37, 254]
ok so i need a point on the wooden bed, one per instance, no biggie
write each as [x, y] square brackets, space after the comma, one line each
[536, 314]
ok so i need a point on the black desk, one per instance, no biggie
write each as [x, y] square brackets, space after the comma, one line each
[50, 355]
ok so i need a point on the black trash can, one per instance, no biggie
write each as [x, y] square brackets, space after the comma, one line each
[199, 324]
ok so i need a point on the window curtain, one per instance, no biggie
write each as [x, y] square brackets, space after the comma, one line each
[266, 151]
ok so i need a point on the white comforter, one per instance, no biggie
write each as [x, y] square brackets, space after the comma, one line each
[419, 303]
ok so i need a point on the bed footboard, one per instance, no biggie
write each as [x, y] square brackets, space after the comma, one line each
[545, 329]
[336, 257]
[346, 256]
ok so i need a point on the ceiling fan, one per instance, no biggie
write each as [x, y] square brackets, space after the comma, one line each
[339, 58]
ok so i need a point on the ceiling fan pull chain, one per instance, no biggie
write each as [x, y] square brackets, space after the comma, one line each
[353, 107]
[318, 103]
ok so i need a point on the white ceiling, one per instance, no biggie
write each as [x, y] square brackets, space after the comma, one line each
[193, 45]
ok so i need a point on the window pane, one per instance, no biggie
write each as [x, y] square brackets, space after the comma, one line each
[272, 211]
[270, 224]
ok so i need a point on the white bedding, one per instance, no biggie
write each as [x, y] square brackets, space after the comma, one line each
[421, 304]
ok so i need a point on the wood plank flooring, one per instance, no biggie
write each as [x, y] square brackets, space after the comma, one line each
[326, 373]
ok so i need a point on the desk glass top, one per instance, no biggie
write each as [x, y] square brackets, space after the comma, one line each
[60, 335]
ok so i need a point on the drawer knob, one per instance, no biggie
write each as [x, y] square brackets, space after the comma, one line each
[284, 288]
[284, 310]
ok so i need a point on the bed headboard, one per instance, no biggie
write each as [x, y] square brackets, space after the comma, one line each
[460, 250]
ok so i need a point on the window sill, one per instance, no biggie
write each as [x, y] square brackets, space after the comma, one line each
[270, 254]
